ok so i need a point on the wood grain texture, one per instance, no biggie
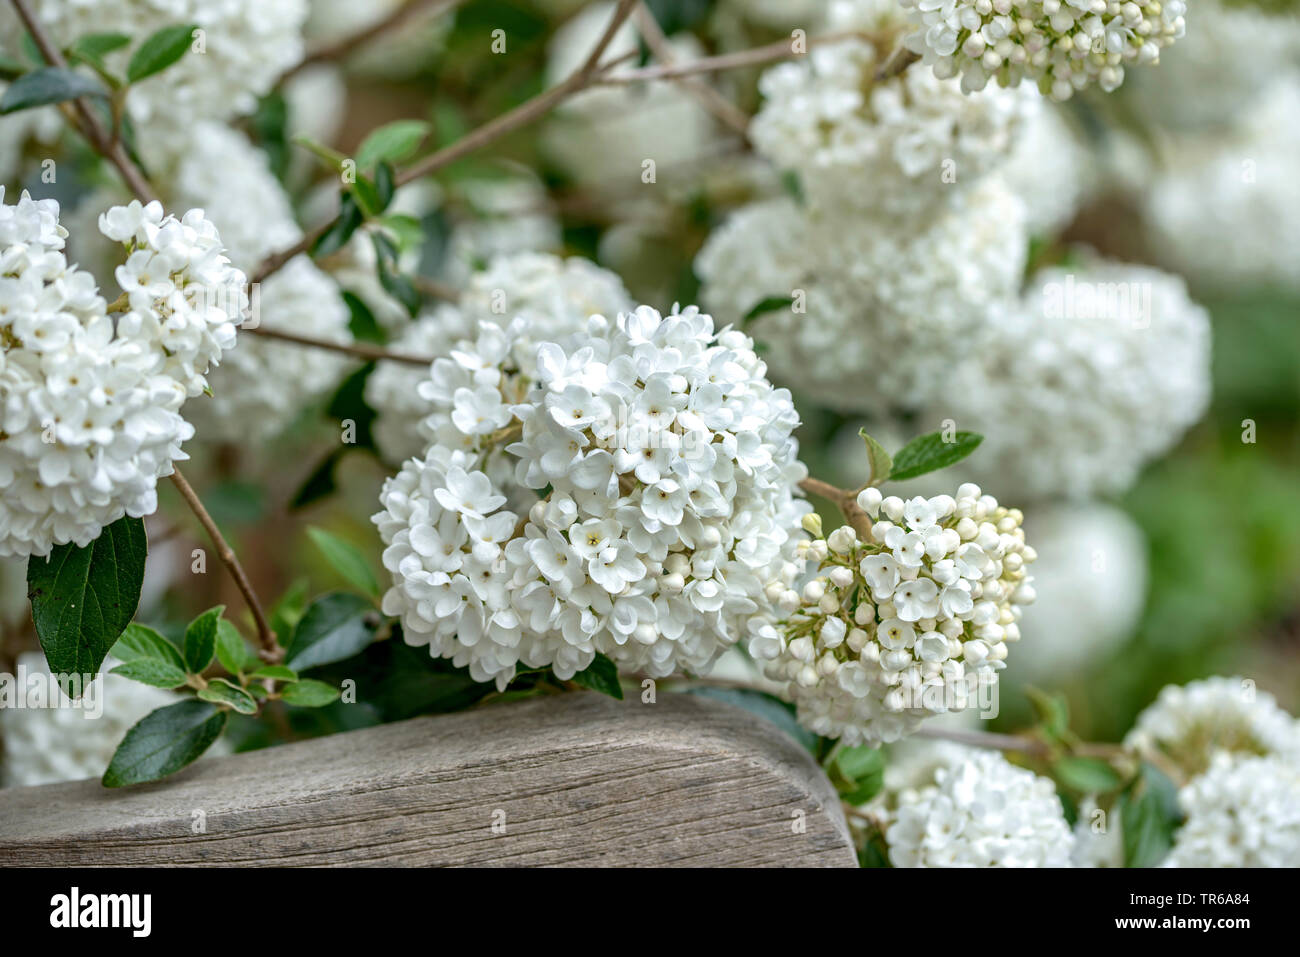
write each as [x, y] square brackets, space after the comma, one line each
[581, 779]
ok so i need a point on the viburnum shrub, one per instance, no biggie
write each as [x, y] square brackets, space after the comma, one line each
[584, 490]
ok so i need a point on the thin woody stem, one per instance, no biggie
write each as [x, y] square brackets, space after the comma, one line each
[756, 56]
[343, 47]
[271, 650]
[107, 146]
[358, 350]
[846, 500]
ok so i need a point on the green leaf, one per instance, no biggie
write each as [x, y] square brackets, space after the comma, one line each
[881, 463]
[309, 693]
[860, 761]
[345, 559]
[201, 639]
[11, 69]
[287, 611]
[84, 598]
[769, 304]
[400, 288]
[163, 742]
[385, 185]
[141, 642]
[275, 673]
[1149, 815]
[407, 229]
[319, 484]
[336, 237]
[152, 671]
[48, 85]
[159, 51]
[601, 675]
[93, 47]
[222, 692]
[362, 322]
[335, 626]
[393, 143]
[930, 452]
[1087, 775]
[331, 157]
[1053, 710]
[232, 651]
[765, 706]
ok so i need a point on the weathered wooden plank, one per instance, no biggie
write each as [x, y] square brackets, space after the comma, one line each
[576, 779]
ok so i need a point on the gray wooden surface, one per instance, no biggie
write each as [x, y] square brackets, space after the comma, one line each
[577, 779]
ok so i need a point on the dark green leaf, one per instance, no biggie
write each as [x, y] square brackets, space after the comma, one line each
[860, 761]
[766, 706]
[385, 185]
[201, 639]
[349, 402]
[601, 675]
[393, 143]
[1086, 775]
[1149, 815]
[159, 51]
[152, 671]
[269, 125]
[83, 598]
[363, 325]
[335, 626]
[346, 560]
[769, 304]
[287, 611]
[930, 452]
[45, 86]
[336, 237]
[165, 741]
[881, 463]
[400, 288]
[139, 641]
[309, 693]
[222, 692]
[232, 651]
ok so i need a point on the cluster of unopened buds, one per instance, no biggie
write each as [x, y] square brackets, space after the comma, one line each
[912, 620]
[1062, 45]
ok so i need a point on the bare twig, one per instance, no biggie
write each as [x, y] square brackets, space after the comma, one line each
[896, 63]
[271, 650]
[358, 349]
[713, 101]
[343, 47]
[757, 56]
[846, 500]
[106, 145]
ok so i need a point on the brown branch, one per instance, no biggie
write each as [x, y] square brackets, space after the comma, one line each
[359, 350]
[590, 71]
[343, 47]
[896, 63]
[846, 500]
[271, 650]
[756, 56]
[723, 109]
[106, 145]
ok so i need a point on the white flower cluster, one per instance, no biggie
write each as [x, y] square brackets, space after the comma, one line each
[1191, 723]
[554, 296]
[244, 47]
[912, 623]
[879, 310]
[1061, 45]
[90, 401]
[1242, 812]
[669, 468]
[1091, 579]
[900, 146]
[1094, 373]
[64, 742]
[983, 812]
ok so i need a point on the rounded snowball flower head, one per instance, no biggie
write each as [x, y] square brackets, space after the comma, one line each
[1192, 723]
[1061, 45]
[984, 812]
[1091, 578]
[554, 296]
[1242, 812]
[243, 47]
[90, 401]
[900, 146]
[64, 741]
[877, 316]
[1092, 375]
[628, 491]
[914, 622]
